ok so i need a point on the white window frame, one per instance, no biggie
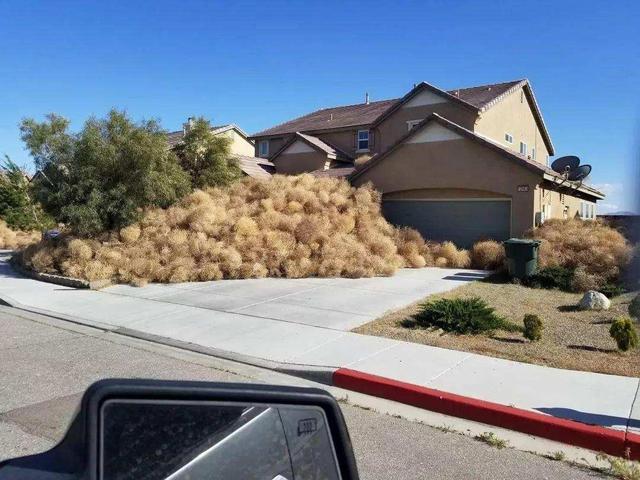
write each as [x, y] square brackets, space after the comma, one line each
[533, 154]
[508, 138]
[358, 140]
[412, 123]
[263, 152]
[523, 151]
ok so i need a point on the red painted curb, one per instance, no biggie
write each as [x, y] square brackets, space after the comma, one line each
[600, 439]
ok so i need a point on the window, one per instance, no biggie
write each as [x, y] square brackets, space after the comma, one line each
[412, 123]
[533, 153]
[587, 211]
[508, 138]
[523, 148]
[263, 148]
[363, 140]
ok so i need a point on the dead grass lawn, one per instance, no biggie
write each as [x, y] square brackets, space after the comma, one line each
[572, 339]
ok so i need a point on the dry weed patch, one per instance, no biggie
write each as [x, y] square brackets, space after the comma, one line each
[284, 227]
[13, 239]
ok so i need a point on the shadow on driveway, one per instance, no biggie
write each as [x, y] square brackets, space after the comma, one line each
[590, 418]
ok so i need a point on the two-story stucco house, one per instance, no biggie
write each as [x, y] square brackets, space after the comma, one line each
[458, 165]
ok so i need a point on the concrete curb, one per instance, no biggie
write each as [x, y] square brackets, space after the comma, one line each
[599, 439]
[58, 279]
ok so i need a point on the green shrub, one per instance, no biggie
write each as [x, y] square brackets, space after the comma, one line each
[462, 315]
[551, 277]
[624, 333]
[634, 307]
[532, 327]
[612, 290]
[102, 177]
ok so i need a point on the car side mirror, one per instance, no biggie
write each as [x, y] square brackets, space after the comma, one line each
[149, 429]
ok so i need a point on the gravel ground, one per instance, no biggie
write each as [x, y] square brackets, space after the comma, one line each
[571, 339]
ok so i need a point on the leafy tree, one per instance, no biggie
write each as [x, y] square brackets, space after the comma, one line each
[101, 177]
[17, 205]
[206, 157]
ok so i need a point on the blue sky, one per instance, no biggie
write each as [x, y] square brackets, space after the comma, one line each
[260, 63]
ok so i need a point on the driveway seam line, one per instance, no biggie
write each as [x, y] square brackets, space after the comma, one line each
[277, 298]
[446, 370]
[233, 312]
[366, 357]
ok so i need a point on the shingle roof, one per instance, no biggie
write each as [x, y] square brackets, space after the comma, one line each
[339, 172]
[335, 117]
[483, 95]
[366, 113]
[255, 167]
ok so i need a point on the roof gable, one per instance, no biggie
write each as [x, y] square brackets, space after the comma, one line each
[303, 143]
[418, 132]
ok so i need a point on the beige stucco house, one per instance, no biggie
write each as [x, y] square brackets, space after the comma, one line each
[240, 146]
[458, 165]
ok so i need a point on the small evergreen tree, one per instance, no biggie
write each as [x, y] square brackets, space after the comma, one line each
[103, 176]
[17, 206]
[206, 157]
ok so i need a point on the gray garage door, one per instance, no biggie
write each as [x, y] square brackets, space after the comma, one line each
[462, 221]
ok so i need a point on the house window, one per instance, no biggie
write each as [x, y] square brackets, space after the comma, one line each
[523, 148]
[363, 140]
[533, 153]
[508, 138]
[412, 123]
[587, 211]
[263, 148]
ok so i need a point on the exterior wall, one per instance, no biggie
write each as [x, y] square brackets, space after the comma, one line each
[395, 126]
[456, 165]
[239, 144]
[562, 205]
[345, 140]
[299, 158]
[513, 115]
[275, 144]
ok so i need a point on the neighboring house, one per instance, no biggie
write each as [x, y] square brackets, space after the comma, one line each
[240, 146]
[458, 165]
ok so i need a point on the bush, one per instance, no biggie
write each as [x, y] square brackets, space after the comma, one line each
[287, 226]
[612, 290]
[634, 307]
[624, 333]
[488, 255]
[206, 157]
[102, 177]
[12, 239]
[17, 207]
[551, 277]
[532, 328]
[595, 250]
[468, 315]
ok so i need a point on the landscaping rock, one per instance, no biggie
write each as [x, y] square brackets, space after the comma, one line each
[593, 300]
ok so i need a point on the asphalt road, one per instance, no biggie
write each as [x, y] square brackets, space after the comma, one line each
[46, 364]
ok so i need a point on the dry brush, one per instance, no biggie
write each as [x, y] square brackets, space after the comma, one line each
[286, 226]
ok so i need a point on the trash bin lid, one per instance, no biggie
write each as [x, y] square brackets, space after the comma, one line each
[521, 241]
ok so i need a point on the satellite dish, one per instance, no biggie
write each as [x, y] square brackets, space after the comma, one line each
[562, 164]
[580, 173]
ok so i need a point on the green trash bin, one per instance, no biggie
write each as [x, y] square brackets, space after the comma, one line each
[522, 256]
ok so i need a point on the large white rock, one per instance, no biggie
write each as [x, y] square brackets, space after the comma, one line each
[593, 300]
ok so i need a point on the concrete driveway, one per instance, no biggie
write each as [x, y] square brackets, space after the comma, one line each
[333, 303]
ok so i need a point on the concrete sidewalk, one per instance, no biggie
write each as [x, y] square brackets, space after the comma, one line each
[304, 324]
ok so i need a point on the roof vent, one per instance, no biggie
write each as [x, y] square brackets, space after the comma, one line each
[366, 98]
